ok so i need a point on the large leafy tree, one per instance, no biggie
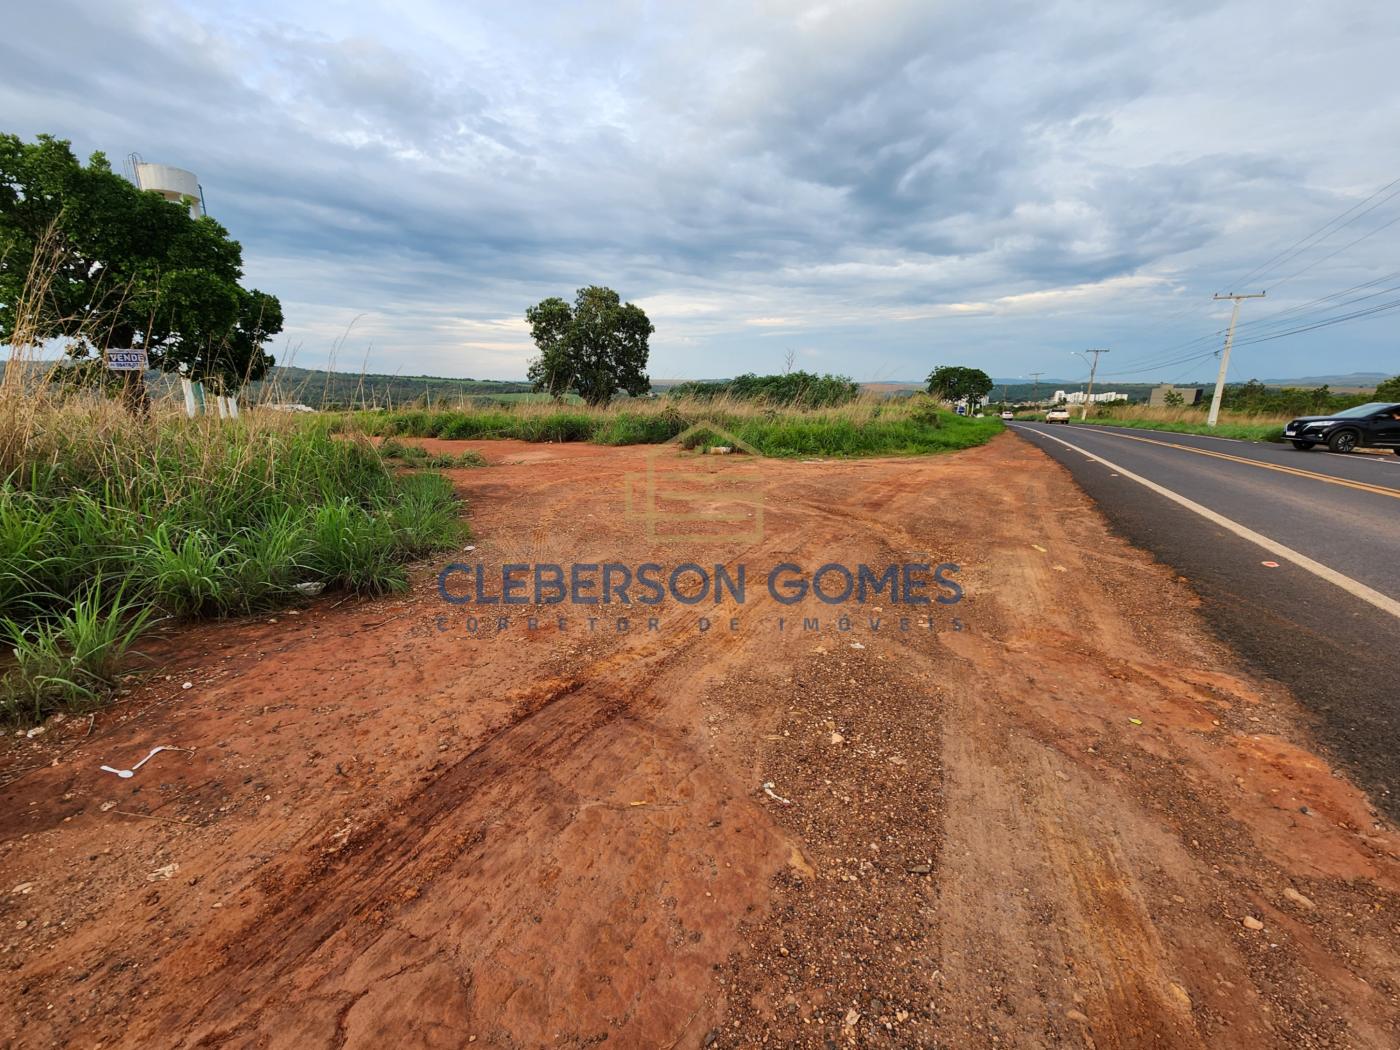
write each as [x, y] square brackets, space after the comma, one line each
[88, 259]
[1388, 390]
[594, 348]
[958, 383]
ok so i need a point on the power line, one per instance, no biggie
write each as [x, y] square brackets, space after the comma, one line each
[1339, 222]
[1274, 326]
[1184, 352]
[1305, 269]
[1188, 359]
[1322, 233]
[1291, 316]
[1189, 368]
[1267, 318]
[1371, 311]
[1304, 321]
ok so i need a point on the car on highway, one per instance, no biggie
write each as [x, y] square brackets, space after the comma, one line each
[1057, 415]
[1372, 425]
[1008, 416]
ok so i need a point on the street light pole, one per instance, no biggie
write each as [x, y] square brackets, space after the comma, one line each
[1093, 368]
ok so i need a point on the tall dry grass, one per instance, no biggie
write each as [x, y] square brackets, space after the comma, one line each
[1147, 413]
[1246, 426]
[112, 518]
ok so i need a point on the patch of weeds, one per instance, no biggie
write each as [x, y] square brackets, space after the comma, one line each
[417, 456]
[69, 661]
[186, 518]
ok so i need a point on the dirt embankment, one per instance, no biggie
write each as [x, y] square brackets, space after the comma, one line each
[1054, 814]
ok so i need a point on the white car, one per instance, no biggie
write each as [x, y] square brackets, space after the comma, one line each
[1057, 415]
[1008, 416]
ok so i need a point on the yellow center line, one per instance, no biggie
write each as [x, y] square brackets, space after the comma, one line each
[1345, 482]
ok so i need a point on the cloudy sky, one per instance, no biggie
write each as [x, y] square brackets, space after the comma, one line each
[877, 187]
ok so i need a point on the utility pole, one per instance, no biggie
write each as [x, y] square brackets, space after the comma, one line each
[1035, 387]
[1093, 368]
[1225, 354]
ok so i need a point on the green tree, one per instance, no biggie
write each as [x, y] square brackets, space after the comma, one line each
[1174, 399]
[594, 348]
[803, 389]
[88, 259]
[1388, 390]
[958, 383]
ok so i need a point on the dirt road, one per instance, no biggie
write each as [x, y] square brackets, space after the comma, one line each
[1055, 813]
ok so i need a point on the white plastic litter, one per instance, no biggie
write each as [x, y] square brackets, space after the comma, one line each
[768, 790]
[127, 774]
[310, 588]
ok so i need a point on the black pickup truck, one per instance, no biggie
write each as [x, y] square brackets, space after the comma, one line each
[1373, 425]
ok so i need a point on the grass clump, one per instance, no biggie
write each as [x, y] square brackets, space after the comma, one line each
[110, 522]
[69, 660]
[417, 456]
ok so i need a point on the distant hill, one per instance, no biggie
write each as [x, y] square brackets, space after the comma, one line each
[322, 389]
[1357, 379]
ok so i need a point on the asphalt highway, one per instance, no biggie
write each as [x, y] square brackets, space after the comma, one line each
[1296, 557]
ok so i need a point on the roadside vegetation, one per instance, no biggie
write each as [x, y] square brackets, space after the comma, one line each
[117, 514]
[865, 427]
[1249, 411]
[792, 388]
[417, 456]
[1247, 426]
[110, 522]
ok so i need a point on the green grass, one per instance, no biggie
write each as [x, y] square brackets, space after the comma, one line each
[864, 428]
[1242, 431]
[108, 524]
[69, 660]
[417, 456]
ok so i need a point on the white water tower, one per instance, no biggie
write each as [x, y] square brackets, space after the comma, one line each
[181, 187]
[174, 184]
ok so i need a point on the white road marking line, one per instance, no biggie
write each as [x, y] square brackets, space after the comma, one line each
[1260, 464]
[1365, 457]
[1353, 587]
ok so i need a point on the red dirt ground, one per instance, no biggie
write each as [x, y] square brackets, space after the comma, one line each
[1042, 820]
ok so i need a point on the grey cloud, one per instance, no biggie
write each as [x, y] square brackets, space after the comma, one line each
[723, 161]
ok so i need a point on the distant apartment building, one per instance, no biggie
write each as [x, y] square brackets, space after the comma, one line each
[1190, 395]
[1076, 397]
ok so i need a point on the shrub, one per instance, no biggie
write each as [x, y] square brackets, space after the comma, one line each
[794, 389]
[181, 518]
[858, 428]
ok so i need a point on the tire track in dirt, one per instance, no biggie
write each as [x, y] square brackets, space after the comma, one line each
[336, 905]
